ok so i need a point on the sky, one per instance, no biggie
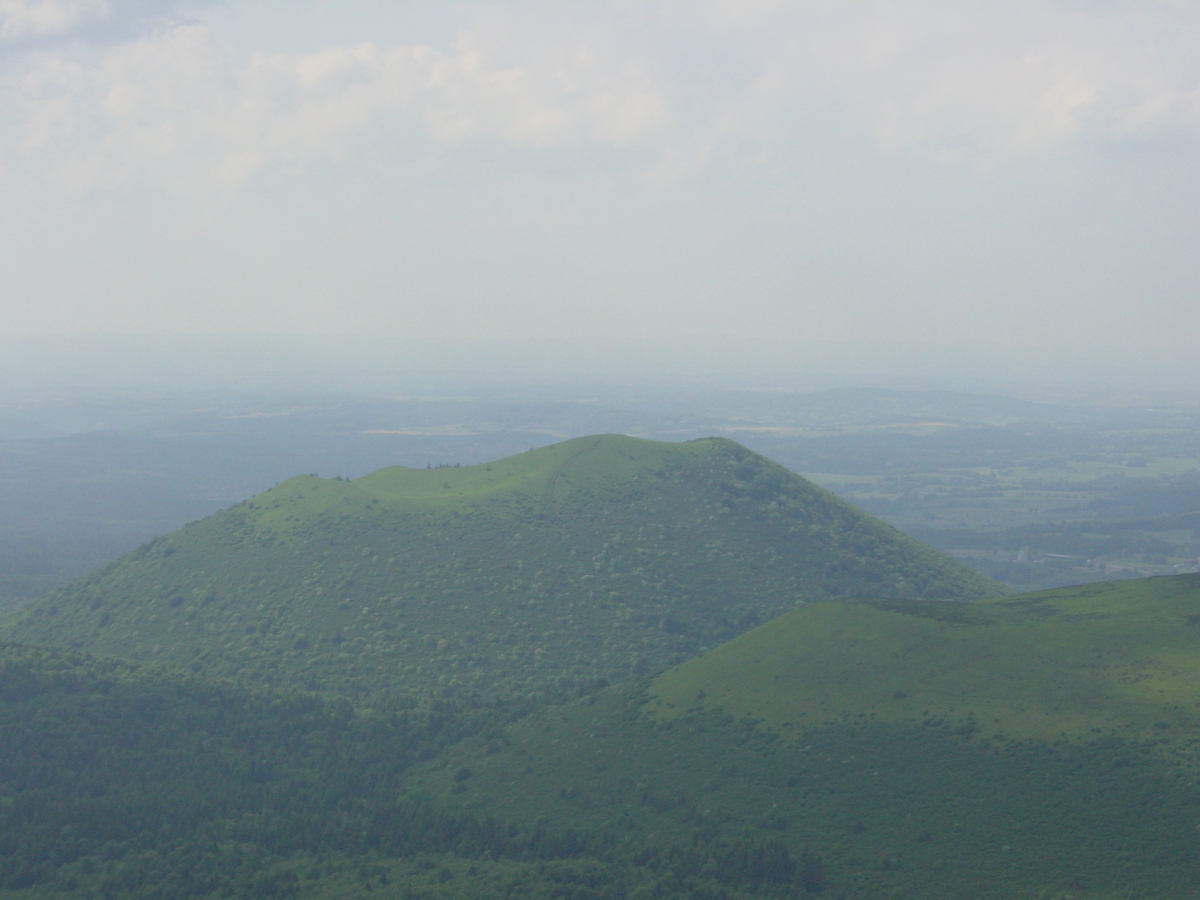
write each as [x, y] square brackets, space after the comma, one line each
[738, 178]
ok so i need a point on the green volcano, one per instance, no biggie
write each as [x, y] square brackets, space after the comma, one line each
[523, 580]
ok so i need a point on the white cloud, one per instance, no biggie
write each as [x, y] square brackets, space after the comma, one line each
[894, 167]
[963, 82]
[179, 99]
[748, 85]
[568, 100]
[1028, 84]
[23, 18]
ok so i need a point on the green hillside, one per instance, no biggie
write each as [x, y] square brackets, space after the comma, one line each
[1115, 658]
[514, 582]
[1040, 746]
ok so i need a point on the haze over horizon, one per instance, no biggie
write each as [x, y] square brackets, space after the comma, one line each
[500, 186]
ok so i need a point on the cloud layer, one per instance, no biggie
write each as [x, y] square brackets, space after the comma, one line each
[23, 19]
[745, 84]
[915, 168]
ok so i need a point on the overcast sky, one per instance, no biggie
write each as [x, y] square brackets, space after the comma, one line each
[959, 174]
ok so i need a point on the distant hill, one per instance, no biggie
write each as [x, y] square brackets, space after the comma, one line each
[1044, 745]
[527, 579]
[1120, 659]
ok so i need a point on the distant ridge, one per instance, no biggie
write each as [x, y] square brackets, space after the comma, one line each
[517, 581]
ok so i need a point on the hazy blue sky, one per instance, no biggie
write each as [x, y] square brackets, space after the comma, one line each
[966, 174]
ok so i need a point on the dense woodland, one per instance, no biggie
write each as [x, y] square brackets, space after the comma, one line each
[124, 781]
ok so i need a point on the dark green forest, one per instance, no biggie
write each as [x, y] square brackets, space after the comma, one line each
[124, 781]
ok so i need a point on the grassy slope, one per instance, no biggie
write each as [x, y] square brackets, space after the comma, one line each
[516, 581]
[1112, 658]
[794, 730]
